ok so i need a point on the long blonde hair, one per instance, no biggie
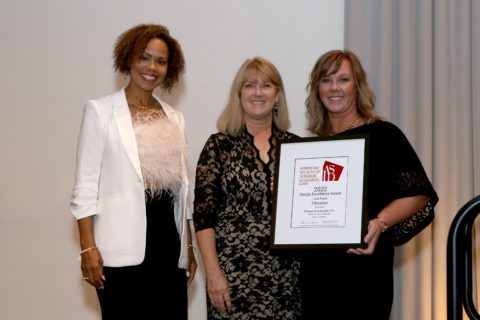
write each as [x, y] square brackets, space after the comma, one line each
[317, 115]
[231, 119]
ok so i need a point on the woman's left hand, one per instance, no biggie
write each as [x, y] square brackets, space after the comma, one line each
[192, 266]
[375, 228]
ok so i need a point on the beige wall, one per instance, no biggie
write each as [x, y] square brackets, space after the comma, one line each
[56, 54]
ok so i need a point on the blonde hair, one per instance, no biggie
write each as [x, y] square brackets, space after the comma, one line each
[317, 115]
[231, 119]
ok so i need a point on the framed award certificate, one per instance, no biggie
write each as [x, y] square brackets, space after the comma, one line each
[319, 196]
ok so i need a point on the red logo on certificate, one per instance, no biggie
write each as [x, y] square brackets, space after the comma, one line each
[331, 171]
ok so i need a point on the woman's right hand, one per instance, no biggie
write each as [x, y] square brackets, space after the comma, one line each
[92, 268]
[218, 291]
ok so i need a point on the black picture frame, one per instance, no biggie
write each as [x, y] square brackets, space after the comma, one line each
[316, 218]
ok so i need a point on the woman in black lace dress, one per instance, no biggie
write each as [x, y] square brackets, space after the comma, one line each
[232, 211]
[358, 283]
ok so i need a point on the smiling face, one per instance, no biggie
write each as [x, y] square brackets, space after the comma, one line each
[257, 97]
[338, 91]
[149, 69]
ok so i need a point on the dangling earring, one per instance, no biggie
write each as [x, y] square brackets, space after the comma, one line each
[275, 109]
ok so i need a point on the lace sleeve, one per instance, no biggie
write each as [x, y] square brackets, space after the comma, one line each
[207, 186]
[414, 183]
[410, 179]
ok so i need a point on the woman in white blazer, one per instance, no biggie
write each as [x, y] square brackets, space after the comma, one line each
[131, 196]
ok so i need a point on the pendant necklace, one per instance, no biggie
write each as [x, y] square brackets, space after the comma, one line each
[355, 122]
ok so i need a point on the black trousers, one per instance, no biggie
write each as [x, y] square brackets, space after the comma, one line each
[134, 292]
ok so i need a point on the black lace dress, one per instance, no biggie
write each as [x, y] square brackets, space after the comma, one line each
[337, 285]
[232, 195]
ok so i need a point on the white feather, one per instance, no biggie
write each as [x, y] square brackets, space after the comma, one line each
[160, 148]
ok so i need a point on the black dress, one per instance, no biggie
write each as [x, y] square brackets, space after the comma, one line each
[341, 286]
[232, 195]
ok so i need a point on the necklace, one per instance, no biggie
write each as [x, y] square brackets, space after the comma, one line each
[141, 106]
[355, 122]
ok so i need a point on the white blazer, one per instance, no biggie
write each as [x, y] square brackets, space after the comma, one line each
[109, 182]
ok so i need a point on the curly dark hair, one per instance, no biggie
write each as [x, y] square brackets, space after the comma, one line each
[133, 42]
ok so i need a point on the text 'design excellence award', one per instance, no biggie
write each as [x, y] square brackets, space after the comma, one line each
[319, 193]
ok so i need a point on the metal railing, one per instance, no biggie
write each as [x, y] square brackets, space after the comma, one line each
[459, 262]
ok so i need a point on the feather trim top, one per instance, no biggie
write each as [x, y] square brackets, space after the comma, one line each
[160, 148]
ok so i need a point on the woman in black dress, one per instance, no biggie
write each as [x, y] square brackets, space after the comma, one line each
[358, 283]
[232, 210]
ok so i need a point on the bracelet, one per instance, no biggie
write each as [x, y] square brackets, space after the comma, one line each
[88, 250]
[384, 224]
